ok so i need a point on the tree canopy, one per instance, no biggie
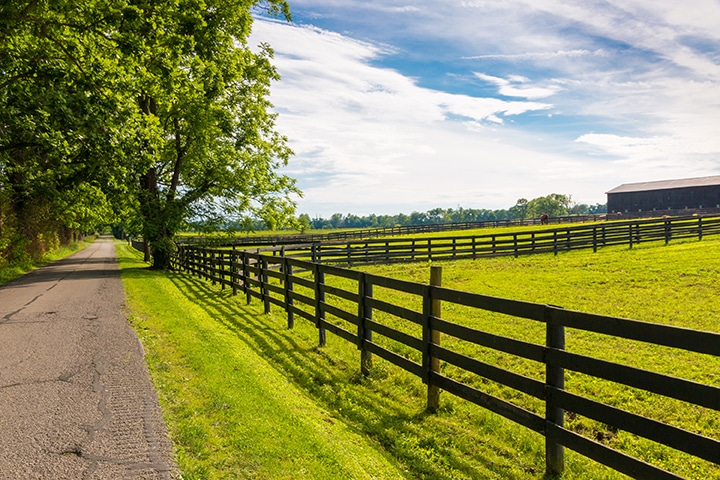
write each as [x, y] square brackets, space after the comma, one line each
[554, 205]
[148, 111]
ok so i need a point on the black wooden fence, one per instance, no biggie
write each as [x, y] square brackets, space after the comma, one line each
[553, 240]
[380, 232]
[320, 294]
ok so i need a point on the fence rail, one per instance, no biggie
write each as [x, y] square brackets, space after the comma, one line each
[553, 240]
[355, 234]
[320, 294]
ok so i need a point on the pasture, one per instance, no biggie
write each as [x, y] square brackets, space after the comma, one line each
[667, 284]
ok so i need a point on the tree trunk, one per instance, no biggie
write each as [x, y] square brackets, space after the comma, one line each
[161, 259]
[146, 250]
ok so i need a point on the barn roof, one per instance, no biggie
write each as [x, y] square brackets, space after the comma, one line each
[667, 184]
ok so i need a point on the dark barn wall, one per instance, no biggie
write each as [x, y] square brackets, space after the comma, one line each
[665, 199]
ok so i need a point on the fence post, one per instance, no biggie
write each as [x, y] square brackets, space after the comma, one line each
[554, 378]
[264, 284]
[222, 270]
[668, 231]
[204, 266]
[246, 275]
[433, 308]
[233, 271]
[595, 240]
[319, 300]
[365, 289]
[288, 293]
[700, 228]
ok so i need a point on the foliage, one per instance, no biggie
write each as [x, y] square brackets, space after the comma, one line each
[155, 110]
[554, 205]
[11, 271]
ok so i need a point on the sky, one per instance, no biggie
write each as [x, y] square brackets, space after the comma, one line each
[401, 106]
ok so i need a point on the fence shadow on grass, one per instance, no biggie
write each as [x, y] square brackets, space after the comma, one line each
[368, 404]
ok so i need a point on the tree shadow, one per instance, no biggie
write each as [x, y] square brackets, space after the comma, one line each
[367, 404]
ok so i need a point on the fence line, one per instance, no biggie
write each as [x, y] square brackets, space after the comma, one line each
[553, 240]
[317, 293]
[378, 232]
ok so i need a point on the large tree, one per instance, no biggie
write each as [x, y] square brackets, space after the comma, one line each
[160, 102]
[213, 150]
[55, 134]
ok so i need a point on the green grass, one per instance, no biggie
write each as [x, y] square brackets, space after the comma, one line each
[231, 409]
[202, 342]
[12, 271]
[675, 285]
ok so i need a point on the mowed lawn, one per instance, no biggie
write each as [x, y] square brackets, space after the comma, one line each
[231, 411]
[247, 398]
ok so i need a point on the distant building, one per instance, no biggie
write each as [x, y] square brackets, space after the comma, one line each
[701, 193]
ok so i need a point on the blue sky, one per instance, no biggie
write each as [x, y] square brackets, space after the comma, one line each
[401, 106]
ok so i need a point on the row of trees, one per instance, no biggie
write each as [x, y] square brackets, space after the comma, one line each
[554, 205]
[140, 112]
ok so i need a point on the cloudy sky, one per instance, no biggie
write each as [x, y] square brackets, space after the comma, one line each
[400, 106]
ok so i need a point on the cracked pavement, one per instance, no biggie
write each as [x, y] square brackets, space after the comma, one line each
[76, 401]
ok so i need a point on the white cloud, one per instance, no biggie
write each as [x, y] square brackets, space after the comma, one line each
[516, 86]
[638, 84]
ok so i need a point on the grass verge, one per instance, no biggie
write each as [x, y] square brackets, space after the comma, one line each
[12, 271]
[231, 412]
[197, 336]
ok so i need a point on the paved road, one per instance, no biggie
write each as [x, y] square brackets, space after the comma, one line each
[76, 401]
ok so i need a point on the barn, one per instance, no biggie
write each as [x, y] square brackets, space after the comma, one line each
[702, 193]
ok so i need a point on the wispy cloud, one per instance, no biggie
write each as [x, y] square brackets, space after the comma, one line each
[537, 56]
[393, 106]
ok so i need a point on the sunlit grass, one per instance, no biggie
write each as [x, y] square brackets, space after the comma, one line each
[231, 410]
[669, 284]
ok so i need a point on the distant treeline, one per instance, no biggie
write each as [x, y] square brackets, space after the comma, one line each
[554, 205]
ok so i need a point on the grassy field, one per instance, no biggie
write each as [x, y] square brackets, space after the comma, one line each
[234, 383]
[232, 411]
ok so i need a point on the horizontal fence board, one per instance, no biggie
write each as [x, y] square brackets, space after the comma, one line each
[303, 282]
[341, 272]
[404, 338]
[527, 350]
[276, 301]
[338, 312]
[394, 358]
[400, 312]
[494, 404]
[338, 292]
[677, 438]
[274, 289]
[302, 313]
[309, 301]
[669, 336]
[607, 456]
[339, 331]
[673, 387]
[510, 379]
[532, 311]
[394, 284]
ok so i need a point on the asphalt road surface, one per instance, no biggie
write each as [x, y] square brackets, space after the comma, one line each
[76, 400]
